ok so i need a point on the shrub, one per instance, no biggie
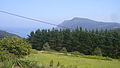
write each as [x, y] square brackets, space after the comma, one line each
[97, 52]
[17, 63]
[63, 50]
[58, 64]
[46, 47]
[4, 55]
[15, 45]
[51, 63]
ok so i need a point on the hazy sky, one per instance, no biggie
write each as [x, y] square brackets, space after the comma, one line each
[56, 11]
[59, 10]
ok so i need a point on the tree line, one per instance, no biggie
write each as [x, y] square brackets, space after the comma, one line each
[92, 42]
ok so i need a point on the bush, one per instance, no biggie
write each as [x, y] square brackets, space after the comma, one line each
[97, 52]
[4, 55]
[63, 50]
[15, 45]
[46, 47]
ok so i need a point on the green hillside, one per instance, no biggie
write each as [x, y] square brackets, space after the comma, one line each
[4, 34]
[81, 62]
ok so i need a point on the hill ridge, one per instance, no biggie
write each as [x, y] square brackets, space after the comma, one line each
[88, 24]
[6, 34]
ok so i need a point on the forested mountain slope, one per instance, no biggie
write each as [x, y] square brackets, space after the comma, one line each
[4, 34]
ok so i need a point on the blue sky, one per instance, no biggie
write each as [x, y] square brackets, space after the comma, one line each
[56, 11]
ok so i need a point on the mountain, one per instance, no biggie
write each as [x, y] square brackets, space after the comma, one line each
[4, 34]
[88, 24]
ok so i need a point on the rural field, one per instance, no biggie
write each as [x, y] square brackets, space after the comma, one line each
[80, 62]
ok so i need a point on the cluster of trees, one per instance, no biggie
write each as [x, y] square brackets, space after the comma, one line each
[94, 42]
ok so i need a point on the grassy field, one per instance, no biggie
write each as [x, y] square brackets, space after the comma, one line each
[80, 62]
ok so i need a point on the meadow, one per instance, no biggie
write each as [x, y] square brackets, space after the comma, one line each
[67, 60]
[16, 52]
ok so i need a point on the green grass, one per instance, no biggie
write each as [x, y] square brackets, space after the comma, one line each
[81, 62]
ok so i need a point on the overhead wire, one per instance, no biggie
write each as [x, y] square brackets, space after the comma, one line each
[46, 22]
[30, 18]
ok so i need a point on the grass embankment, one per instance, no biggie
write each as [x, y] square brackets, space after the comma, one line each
[80, 62]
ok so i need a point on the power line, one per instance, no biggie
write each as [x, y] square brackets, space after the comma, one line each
[46, 22]
[30, 18]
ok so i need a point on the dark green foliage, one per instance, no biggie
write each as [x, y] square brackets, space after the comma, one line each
[83, 41]
[116, 30]
[15, 45]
